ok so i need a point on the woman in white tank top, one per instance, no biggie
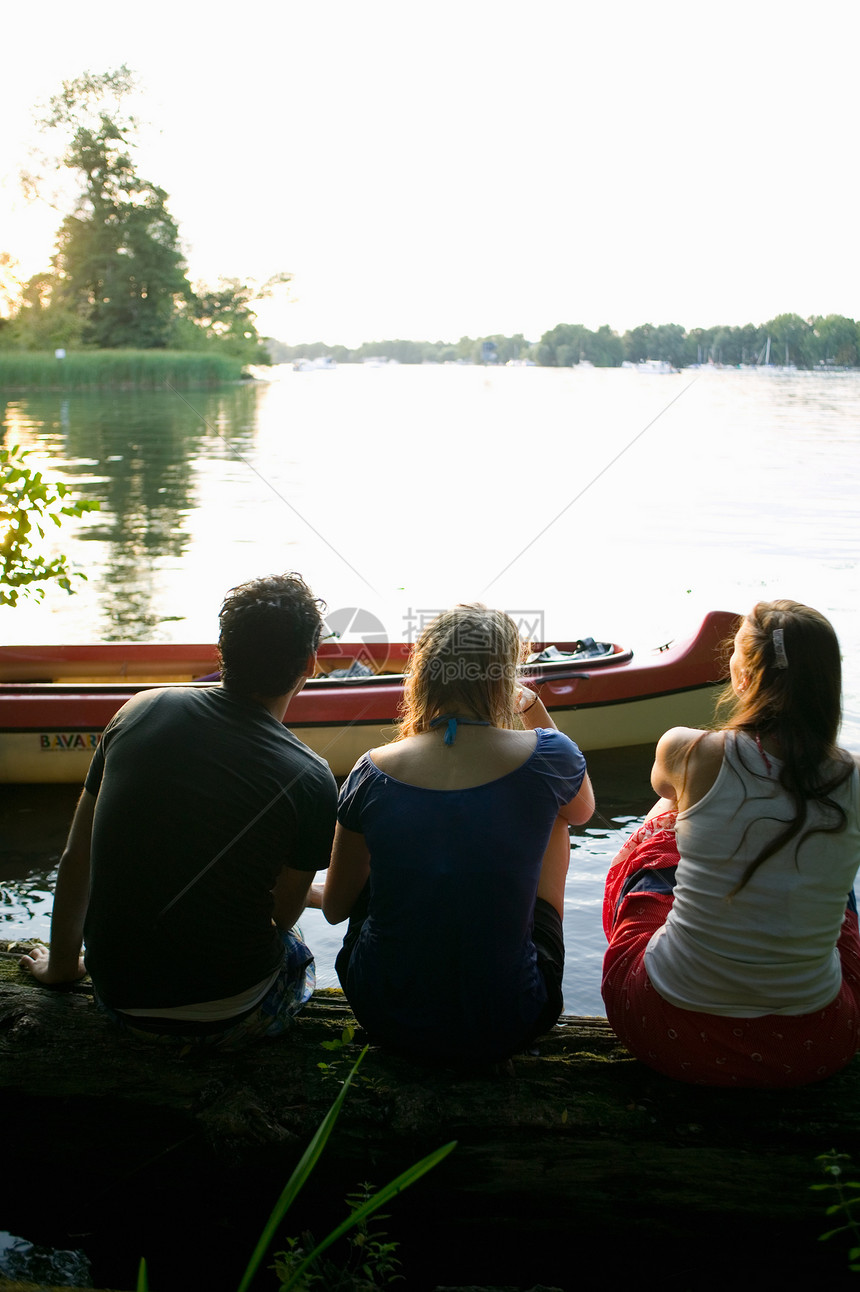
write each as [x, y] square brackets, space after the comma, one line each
[733, 958]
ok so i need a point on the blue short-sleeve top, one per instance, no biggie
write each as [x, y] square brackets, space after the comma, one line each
[445, 965]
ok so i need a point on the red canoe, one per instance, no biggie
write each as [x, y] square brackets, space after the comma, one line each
[56, 700]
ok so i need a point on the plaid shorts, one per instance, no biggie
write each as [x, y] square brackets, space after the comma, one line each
[272, 1016]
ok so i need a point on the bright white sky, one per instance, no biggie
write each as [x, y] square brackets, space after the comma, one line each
[434, 170]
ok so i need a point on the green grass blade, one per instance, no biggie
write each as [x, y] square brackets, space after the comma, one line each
[378, 1200]
[841, 1229]
[142, 1280]
[298, 1178]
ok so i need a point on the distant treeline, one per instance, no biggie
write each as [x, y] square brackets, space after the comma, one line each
[831, 341]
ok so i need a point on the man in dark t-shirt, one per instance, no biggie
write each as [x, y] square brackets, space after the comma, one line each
[193, 847]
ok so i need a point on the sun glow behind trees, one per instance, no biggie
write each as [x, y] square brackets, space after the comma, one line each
[117, 279]
[434, 171]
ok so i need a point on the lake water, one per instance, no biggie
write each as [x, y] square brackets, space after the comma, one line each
[607, 503]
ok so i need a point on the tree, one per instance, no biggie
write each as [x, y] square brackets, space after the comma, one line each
[665, 341]
[563, 346]
[637, 343]
[795, 334]
[43, 322]
[27, 502]
[118, 266]
[10, 285]
[224, 315]
[118, 276]
[603, 348]
[700, 346]
[837, 340]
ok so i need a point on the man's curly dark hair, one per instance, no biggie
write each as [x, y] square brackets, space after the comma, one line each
[269, 627]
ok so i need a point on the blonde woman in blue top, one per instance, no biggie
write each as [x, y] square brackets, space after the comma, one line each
[452, 850]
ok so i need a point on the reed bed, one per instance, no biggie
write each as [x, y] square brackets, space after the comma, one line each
[115, 370]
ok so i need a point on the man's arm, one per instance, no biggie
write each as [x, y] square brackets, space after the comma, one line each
[63, 962]
[290, 894]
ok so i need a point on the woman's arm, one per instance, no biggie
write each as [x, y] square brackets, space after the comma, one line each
[664, 773]
[534, 713]
[686, 764]
[581, 808]
[346, 876]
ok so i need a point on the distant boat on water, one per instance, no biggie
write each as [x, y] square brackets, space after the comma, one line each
[763, 363]
[650, 365]
[323, 364]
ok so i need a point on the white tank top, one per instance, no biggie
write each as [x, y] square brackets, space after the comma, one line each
[770, 949]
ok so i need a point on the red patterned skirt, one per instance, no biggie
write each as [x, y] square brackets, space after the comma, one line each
[710, 1049]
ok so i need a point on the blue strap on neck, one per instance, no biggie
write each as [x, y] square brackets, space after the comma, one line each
[452, 719]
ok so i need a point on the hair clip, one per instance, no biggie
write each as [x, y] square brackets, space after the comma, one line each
[780, 657]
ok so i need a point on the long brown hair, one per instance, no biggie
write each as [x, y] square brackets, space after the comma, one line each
[464, 662]
[793, 694]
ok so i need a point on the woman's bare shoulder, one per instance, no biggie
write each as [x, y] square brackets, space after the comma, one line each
[387, 757]
[692, 763]
[679, 744]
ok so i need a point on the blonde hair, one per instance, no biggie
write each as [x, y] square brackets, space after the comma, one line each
[465, 662]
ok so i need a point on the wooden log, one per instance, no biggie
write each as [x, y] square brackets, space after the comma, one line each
[571, 1151]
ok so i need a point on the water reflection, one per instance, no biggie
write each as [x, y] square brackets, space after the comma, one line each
[26, 900]
[137, 453]
[20, 1259]
[34, 822]
[424, 483]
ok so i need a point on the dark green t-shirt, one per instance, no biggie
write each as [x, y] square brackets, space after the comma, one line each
[202, 798]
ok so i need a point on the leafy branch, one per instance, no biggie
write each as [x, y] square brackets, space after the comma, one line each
[847, 1192]
[28, 503]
